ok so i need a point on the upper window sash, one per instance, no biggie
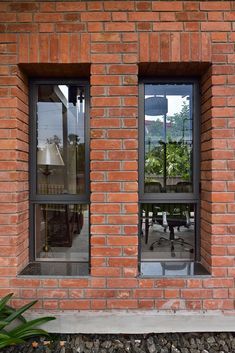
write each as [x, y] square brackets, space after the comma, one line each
[162, 102]
[59, 141]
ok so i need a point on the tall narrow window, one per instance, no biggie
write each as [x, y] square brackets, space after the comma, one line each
[169, 177]
[59, 183]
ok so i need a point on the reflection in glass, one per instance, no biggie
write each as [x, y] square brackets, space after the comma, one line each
[167, 231]
[173, 268]
[168, 138]
[60, 139]
[61, 232]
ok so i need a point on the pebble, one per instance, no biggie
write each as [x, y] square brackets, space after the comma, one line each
[152, 343]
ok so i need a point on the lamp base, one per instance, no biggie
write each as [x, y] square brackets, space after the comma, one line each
[46, 248]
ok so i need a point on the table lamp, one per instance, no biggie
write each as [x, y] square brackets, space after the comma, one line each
[48, 156]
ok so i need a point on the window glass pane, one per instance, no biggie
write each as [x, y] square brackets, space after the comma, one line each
[62, 232]
[167, 231]
[168, 138]
[60, 140]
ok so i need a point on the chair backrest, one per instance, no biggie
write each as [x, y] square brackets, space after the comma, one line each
[184, 186]
[153, 186]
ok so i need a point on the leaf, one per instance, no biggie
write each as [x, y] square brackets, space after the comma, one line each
[9, 310]
[32, 333]
[31, 324]
[3, 324]
[4, 300]
[21, 310]
[7, 340]
[24, 329]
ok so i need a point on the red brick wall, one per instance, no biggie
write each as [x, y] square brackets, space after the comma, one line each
[115, 37]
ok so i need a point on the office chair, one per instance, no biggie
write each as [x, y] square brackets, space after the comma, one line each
[172, 220]
[149, 187]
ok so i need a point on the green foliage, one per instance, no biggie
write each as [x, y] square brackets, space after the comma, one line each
[177, 155]
[23, 329]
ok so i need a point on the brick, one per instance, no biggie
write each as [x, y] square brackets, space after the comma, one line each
[102, 251]
[146, 304]
[219, 37]
[95, 27]
[46, 27]
[167, 16]
[143, 16]
[105, 229]
[70, 27]
[122, 176]
[164, 47]
[191, 16]
[95, 5]
[50, 304]
[43, 48]
[123, 48]
[105, 37]
[122, 219]
[164, 6]
[119, 16]
[122, 240]
[193, 304]
[105, 58]
[222, 261]
[106, 271]
[70, 6]
[121, 304]
[220, 293]
[185, 47]
[218, 283]
[85, 48]
[148, 293]
[196, 293]
[92, 16]
[223, 304]
[50, 282]
[119, 6]
[172, 293]
[111, 80]
[216, 26]
[48, 17]
[126, 262]
[7, 17]
[26, 27]
[217, 16]
[47, 7]
[168, 26]
[105, 187]
[214, 5]
[23, 7]
[74, 304]
[73, 283]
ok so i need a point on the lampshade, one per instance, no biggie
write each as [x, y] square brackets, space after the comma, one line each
[156, 106]
[49, 155]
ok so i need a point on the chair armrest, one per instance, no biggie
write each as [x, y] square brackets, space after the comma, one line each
[164, 219]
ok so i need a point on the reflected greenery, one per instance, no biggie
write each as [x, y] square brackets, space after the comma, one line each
[174, 155]
[177, 156]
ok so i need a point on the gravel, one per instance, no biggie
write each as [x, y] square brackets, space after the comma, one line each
[223, 342]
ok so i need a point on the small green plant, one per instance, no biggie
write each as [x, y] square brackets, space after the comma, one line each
[23, 329]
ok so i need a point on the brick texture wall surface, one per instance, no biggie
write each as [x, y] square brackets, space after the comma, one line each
[116, 38]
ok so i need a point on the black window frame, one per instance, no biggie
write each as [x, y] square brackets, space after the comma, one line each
[193, 197]
[34, 197]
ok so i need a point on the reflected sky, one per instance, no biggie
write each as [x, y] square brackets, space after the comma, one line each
[50, 119]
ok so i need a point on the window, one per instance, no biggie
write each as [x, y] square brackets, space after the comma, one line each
[59, 178]
[169, 177]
